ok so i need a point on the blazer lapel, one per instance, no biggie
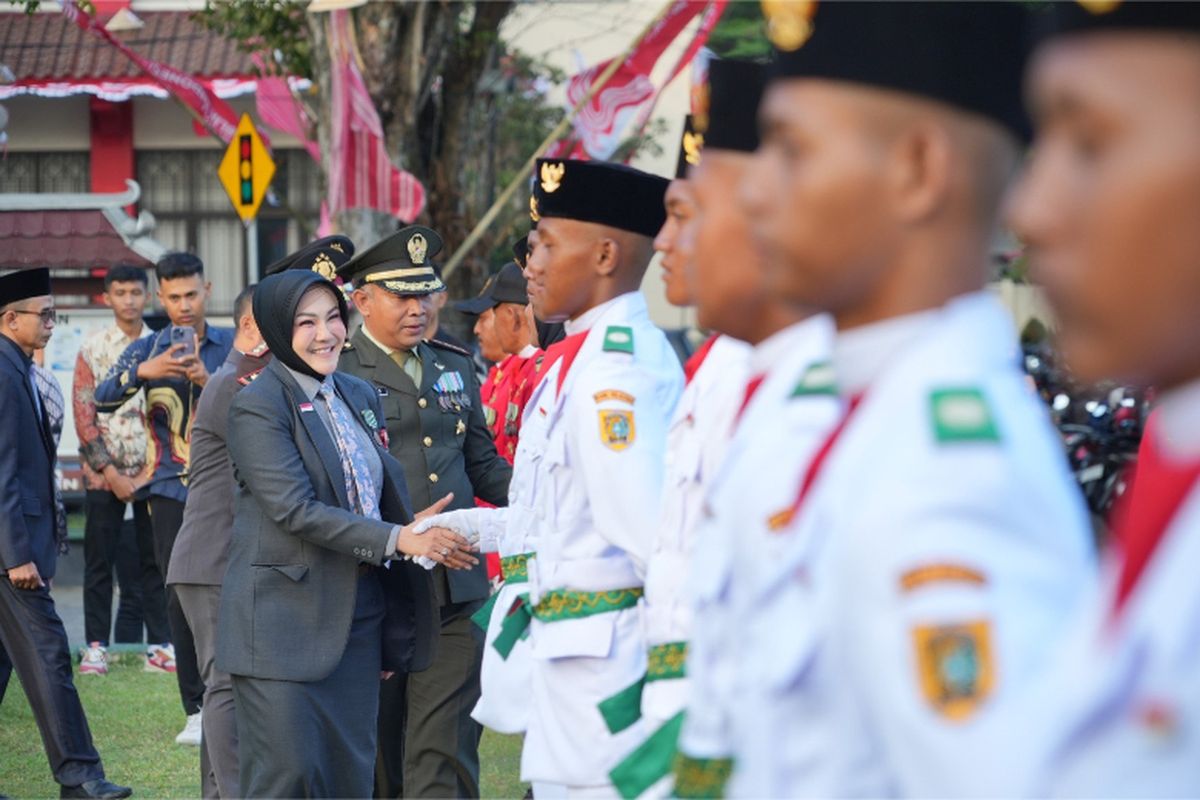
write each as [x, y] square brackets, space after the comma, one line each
[9, 351]
[383, 370]
[320, 437]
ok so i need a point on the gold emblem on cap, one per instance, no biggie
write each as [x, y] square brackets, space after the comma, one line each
[1100, 6]
[337, 246]
[323, 266]
[552, 175]
[789, 22]
[693, 143]
[533, 209]
[416, 248]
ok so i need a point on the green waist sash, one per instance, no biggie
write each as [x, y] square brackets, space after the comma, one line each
[666, 661]
[515, 569]
[558, 605]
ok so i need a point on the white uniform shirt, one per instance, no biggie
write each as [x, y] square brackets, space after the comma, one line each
[602, 467]
[927, 575]
[1123, 707]
[769, 448]
[505, 681]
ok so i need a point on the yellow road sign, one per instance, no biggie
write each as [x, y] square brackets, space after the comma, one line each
[246, 170]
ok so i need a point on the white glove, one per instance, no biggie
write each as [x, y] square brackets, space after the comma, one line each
[480, 526]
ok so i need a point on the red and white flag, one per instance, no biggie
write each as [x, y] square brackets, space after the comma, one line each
[213, 112]
[629, 95]
[361, 175]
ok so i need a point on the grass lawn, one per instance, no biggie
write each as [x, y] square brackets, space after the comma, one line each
[134, 717]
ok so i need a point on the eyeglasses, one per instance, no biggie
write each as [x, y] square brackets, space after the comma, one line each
[48, 315]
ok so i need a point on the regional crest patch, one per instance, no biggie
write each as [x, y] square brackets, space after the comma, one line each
[956, 667]
[617, 430]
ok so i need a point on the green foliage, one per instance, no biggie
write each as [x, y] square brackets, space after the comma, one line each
[740, 33]
[276, 29]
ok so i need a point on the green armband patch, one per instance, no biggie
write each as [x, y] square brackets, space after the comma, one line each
[962, 415]
[819, 378]
[624, 708]
[618, 339]
[650, 762]
[701, 777]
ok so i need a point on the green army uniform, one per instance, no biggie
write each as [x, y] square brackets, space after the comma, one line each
[428, 743]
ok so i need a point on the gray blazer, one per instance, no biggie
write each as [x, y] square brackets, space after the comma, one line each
[287, 602]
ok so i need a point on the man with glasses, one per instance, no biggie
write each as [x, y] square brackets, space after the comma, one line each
[31, 631]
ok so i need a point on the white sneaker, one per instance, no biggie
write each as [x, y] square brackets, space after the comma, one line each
[94, 661]
[190, 734]
[160, 658]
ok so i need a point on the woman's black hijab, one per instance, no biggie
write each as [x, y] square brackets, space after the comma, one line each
[275, 301]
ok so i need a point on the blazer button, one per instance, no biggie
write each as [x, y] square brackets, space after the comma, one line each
[422, 402]
[370, 554]
[356, 551]
[429, 441]
[433, 478]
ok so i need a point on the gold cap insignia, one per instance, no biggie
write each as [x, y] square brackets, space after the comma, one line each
[323, 266]
[533, 209]
[552, 175]
[416, 248]
[337, 246]
[1100, 6]
[789, 22]
[693, 143]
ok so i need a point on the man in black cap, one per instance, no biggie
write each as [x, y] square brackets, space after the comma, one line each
[428, 743]
[30, 629]
[1108, 212]
[936, 527]
[588, 479]
[504, 318]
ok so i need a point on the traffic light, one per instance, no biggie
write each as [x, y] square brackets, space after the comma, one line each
[245, 170]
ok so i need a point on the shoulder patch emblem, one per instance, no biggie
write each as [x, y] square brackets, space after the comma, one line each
[819, 378]
[613, 394]
[962, 415]
[617, 429]
[955, 666]
[940, 573]
[618, 339]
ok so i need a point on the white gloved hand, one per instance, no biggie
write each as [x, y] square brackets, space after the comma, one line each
[480, 526]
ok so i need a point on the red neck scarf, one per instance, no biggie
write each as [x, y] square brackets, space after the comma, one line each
[697, 359]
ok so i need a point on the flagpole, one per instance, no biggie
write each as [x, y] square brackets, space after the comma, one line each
[487, 219]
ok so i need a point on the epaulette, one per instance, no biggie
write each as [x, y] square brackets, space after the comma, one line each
[250, 377]
[453, 348]
[618, 339]
[962, 415]
[817, 379]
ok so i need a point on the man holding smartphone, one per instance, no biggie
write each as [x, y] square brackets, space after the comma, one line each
[171, 367]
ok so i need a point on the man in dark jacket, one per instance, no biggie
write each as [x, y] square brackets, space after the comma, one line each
[30, 629]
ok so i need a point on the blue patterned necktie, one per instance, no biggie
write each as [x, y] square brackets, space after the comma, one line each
[360, 486]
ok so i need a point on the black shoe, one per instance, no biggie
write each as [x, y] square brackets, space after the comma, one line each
[98, 788]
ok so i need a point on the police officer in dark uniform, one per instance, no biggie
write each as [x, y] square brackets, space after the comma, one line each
[428, 743]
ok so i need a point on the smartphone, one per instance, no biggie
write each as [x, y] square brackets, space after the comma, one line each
[186, 336]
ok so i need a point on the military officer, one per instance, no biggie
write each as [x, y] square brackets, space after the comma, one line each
[593, 460]
[696, 441]
[1115, 181]
[436, 429]
[935, 545]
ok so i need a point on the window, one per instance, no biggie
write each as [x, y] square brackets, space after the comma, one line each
[45, 172]
[180, 188]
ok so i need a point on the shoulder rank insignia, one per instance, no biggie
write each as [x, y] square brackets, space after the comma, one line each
[617, 430]
[249, 377]
[817, 379]
[955, 666]
[453, 348]
[962, 415]
[618, 339]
